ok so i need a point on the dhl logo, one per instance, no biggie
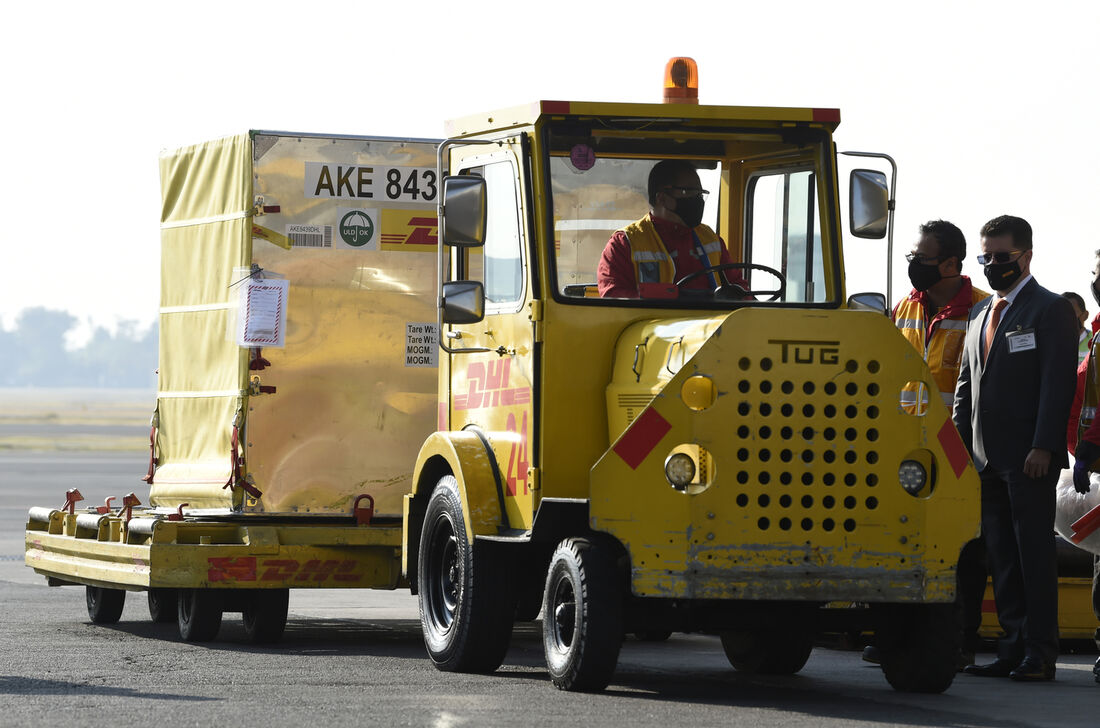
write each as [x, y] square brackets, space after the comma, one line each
[249, 568]
[409, 230]
[488, 387]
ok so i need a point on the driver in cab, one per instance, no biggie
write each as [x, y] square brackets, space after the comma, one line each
[648, 257]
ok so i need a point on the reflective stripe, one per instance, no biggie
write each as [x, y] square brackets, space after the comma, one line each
[951, 324]
[645, 256]
[197, 307]
[909, 324]
[715, 247]
[948, 398]
[199, 395]
[205, 220]
[1088, 413]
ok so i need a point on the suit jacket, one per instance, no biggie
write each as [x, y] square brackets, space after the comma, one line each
[1018, 400]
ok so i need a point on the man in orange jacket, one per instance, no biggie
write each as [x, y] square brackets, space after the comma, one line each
[933, 319]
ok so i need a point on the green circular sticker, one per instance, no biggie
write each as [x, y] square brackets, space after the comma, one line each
[356, 228]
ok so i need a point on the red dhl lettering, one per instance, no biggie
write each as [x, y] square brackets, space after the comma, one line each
[487, 387]
[423, 233]
[249, 568]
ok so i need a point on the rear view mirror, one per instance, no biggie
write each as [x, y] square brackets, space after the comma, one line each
[869, 203]
[464, 211]
[463, 302]
[868, 302]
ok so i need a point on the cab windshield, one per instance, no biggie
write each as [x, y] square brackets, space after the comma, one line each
[762, 205]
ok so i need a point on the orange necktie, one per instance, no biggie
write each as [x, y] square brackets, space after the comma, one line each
[991, 329]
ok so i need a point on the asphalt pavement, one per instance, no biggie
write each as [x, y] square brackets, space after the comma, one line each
[353, 657]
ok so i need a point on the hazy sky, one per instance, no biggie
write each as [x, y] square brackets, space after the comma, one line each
[988, 107]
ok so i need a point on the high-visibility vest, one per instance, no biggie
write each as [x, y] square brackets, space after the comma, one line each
[942, 348]
[652, 262]
[1092, 392]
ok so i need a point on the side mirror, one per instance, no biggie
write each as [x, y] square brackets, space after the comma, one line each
[868, 302]
[463, 302]
[464, 211]
[869, 203]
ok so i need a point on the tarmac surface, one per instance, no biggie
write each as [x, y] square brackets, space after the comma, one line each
[352, 657]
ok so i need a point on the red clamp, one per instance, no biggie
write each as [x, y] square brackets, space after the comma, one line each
[178, 515]
[128, 502]
[72, 496]
[106, 507]
[363, 515]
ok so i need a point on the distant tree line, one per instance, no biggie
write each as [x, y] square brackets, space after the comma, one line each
[34, 354]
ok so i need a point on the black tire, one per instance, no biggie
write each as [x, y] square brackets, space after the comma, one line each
[264, 615]
[162, 605]
[919, 645]
[199, 613]
[768, 651]
[467, 605]
[582, 624]
[105, 605]
[653, 635]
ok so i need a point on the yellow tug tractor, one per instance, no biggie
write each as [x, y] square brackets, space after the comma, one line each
[469, 418]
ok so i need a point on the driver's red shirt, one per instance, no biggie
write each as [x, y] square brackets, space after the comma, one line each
[615, 275]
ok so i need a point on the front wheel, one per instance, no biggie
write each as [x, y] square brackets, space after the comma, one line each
[199, 614]
[582, 608]
[264, 615]
[104, 605]
[466, 602]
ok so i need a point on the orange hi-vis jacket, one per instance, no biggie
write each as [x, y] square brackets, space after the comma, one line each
[652, 262]
[940, 341]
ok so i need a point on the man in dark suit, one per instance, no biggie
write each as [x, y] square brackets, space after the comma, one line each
[1016, 385]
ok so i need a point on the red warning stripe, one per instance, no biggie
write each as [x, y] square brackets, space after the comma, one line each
[953, 447]
[1086, 525]
[642, 436]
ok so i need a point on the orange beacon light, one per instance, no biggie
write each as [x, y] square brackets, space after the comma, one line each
[681, 81]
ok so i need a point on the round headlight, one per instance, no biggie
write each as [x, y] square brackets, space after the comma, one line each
[698, 392]
[912, 476]
[680, 470]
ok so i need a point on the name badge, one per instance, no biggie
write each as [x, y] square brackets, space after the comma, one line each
[1021, 340]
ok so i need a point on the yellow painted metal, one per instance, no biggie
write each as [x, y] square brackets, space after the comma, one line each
[494, 391]
[806, 438]
[467, 459]
[1076, 620]
[215, 555]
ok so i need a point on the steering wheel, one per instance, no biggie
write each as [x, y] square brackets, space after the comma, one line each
[733, 291]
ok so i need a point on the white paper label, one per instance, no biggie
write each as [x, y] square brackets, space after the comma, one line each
[261, 319]
[421, 344]
[1021, 342]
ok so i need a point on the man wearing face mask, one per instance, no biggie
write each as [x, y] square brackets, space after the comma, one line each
[643, 259]
[1012, 407]
[933, 317]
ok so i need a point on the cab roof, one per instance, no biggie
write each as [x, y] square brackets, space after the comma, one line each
[529, 114]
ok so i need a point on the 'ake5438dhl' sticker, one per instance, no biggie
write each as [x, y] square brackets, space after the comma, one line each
[409, 231]
[250, 568]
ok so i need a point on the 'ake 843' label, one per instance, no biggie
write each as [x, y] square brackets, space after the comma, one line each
[381, 183]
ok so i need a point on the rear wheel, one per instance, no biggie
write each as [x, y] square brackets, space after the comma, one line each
[264, 615]
[919, 645]
[467, 605]
[104, 605]
[199, 614]
[162, 605]
[582, 624]
[768, 651]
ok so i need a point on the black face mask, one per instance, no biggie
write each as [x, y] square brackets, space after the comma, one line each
[923, 276]
[690, 210]
[1002, 276]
